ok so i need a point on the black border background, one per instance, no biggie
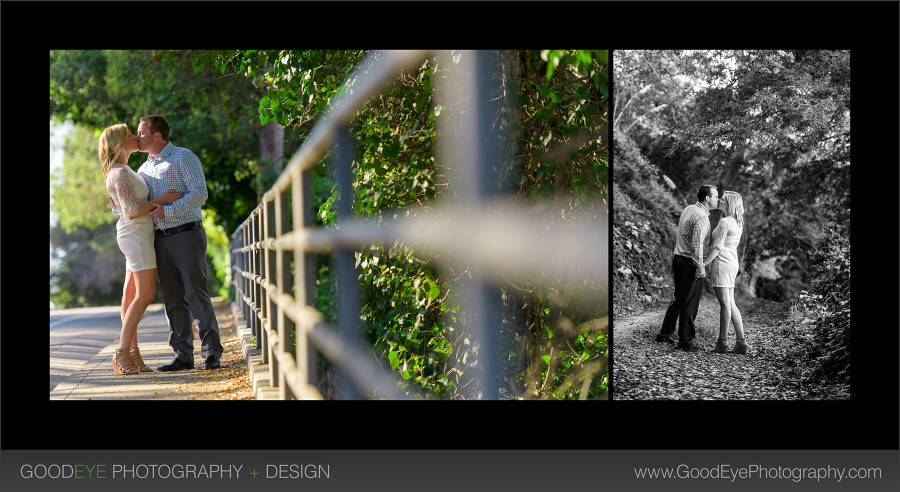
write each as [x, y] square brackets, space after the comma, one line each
[868, 421]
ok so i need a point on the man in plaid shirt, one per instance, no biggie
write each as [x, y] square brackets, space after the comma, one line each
[687, 266]
[180, 244]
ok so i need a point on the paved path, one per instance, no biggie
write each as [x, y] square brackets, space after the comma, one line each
[82, 345]
[76, 336]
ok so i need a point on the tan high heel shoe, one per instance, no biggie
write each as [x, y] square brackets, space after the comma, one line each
[122, 363]
[137, 361]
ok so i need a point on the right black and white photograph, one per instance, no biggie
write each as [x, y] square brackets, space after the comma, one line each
[731, 225]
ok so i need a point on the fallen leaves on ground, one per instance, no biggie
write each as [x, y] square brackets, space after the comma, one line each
[775, 368]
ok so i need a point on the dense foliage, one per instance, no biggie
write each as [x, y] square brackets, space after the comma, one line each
[553, 123]
[643, 232]
[828, 305]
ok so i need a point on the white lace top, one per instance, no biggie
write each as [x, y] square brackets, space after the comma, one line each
[727, 234]
[128, 191]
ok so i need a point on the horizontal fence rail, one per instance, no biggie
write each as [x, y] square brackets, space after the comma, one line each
[487, 235]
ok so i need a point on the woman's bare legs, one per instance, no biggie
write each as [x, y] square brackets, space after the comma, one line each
[127, 298]
[144, 291]
[127, 294]
[736, 319]
[725, 303]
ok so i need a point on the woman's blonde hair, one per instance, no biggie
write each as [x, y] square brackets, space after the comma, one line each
[734, 206]
[112, 143]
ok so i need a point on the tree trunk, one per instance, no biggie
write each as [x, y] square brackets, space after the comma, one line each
[515, 304]
[271, 147]
[510, 77]
[271, 155]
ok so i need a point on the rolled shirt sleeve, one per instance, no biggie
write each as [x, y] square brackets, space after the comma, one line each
[698, 242]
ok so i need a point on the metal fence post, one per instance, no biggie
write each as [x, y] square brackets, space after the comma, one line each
[283, 278]
[248, 286]
[487, 296]
[263, 337]
[348, 313]
[270, 322]
[309, 277]
[304, 278]
[470, 150]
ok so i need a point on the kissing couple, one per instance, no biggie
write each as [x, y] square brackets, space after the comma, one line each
[160, 232]
[689, 264]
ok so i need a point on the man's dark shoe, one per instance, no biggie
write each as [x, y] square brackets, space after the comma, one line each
[660, 338]
[688, 347]
[177, 365]
[212, 362]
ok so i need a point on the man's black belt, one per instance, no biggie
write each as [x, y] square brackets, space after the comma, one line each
[190, 226]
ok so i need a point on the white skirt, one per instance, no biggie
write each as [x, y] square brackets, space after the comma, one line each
[135, 238]
[723, 269]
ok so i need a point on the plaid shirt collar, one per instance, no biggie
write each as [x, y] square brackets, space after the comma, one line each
[163, 154]
[702, 208]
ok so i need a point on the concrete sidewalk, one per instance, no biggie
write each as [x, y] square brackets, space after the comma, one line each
[76, 336]
[81, 361]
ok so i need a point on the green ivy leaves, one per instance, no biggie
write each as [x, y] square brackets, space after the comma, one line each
[297, 85]
[433, 290]
[401, 306]
[581, 59]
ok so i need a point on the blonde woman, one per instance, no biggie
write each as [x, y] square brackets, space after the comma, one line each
[134, 232]
[724, 268]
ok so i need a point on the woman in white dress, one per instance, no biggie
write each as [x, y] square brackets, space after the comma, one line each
[134, 233]
[724, 268]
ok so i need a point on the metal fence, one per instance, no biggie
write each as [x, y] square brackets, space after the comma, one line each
[479, 230]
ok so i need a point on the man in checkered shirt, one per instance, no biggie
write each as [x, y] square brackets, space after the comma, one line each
[180, 244]
[687, 266]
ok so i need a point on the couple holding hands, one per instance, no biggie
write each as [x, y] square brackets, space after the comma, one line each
[689, 264]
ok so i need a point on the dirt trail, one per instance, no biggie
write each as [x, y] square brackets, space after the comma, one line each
[773, 369]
